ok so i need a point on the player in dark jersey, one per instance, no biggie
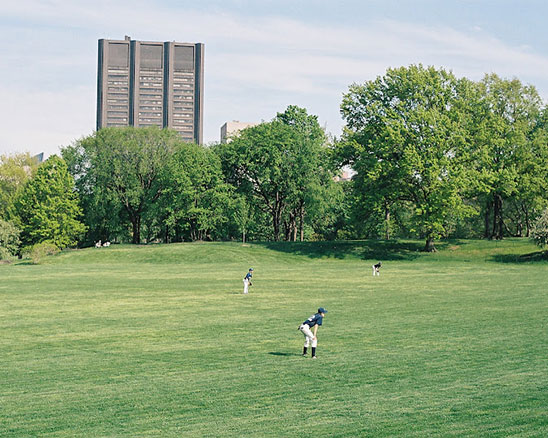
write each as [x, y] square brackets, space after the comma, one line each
[309, 329]
[247, 280]
[377, 268]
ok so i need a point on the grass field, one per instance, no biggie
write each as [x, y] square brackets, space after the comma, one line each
[158, 341]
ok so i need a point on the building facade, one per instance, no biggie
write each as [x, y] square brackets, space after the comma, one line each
[230, 129]
[147, 83]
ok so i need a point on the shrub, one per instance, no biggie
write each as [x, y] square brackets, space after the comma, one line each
[5, 256]
[9, 240]
[539, 231]
[40, 250]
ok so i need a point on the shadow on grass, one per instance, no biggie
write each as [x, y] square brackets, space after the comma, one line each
[279, 353]
[363, 249]
[538, 256]
[24, 263]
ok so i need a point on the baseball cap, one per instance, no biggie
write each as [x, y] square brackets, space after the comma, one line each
[251, 269]
[322, 310]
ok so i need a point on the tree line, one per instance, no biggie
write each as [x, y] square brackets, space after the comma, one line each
[433, 156]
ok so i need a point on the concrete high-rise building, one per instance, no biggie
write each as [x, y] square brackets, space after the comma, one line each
[232, 128]
[147, 83]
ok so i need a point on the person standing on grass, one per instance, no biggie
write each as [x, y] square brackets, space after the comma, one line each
[310, 335]
[247, 280]
[377, 269]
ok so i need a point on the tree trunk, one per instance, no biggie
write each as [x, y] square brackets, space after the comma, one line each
[498, 229]
[277, 217]
[287, 231]
[294, 226]
[527, 224]
[387, 223]
[501, 221]
[301, 220]
[429, 247]
[486, 219]
[136, 225]
[498, 226]
[276, 225]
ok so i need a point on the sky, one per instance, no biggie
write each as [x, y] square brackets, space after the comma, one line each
[260, 56]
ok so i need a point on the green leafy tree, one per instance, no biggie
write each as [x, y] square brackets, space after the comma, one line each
[119, 171]
[329, 219]
[48, 207]
[104, 216]
[539, 231]
[508, 154]
[195, 198]
[260, 162]
[311, 159]
[15, 171]
[241, 215]
[282, 169]
[9, 240]
[403, 131]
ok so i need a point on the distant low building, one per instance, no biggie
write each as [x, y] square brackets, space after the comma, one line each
[39, 158]
[230, 129]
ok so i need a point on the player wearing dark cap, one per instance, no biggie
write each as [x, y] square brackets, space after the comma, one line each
[377, 268]
[309, 329]
[247, 280]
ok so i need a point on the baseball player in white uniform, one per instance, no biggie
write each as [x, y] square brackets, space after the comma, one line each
[309, 329]
[377, 269]
[247, 280]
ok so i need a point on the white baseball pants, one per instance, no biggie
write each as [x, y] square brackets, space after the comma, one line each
[246, 285]
[308, 336]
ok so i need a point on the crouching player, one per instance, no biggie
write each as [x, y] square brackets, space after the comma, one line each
[310, 336]
[377, 269]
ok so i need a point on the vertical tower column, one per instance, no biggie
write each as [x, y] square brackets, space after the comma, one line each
[199, 93]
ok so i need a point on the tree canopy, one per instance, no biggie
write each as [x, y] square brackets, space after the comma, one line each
[509, 153]
[48, 208]
[432, 156]
[281, 167]
[402, 134]
[120, 170]
[15, 171]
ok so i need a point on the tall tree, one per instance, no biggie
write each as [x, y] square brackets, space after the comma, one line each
[48, 207]
[9, 240]
[104, 216]
[195, 198]
[261, 162]
[311, 160]
[121, 167]
[509, 153]
[402, 134]
[15, 171]
[539, 232]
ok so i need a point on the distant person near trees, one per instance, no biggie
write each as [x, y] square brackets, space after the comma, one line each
[247, 280]
[377, 269]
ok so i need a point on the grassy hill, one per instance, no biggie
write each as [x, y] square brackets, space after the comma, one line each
[159, 341]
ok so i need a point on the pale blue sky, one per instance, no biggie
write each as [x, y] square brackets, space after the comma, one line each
[260, 55]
